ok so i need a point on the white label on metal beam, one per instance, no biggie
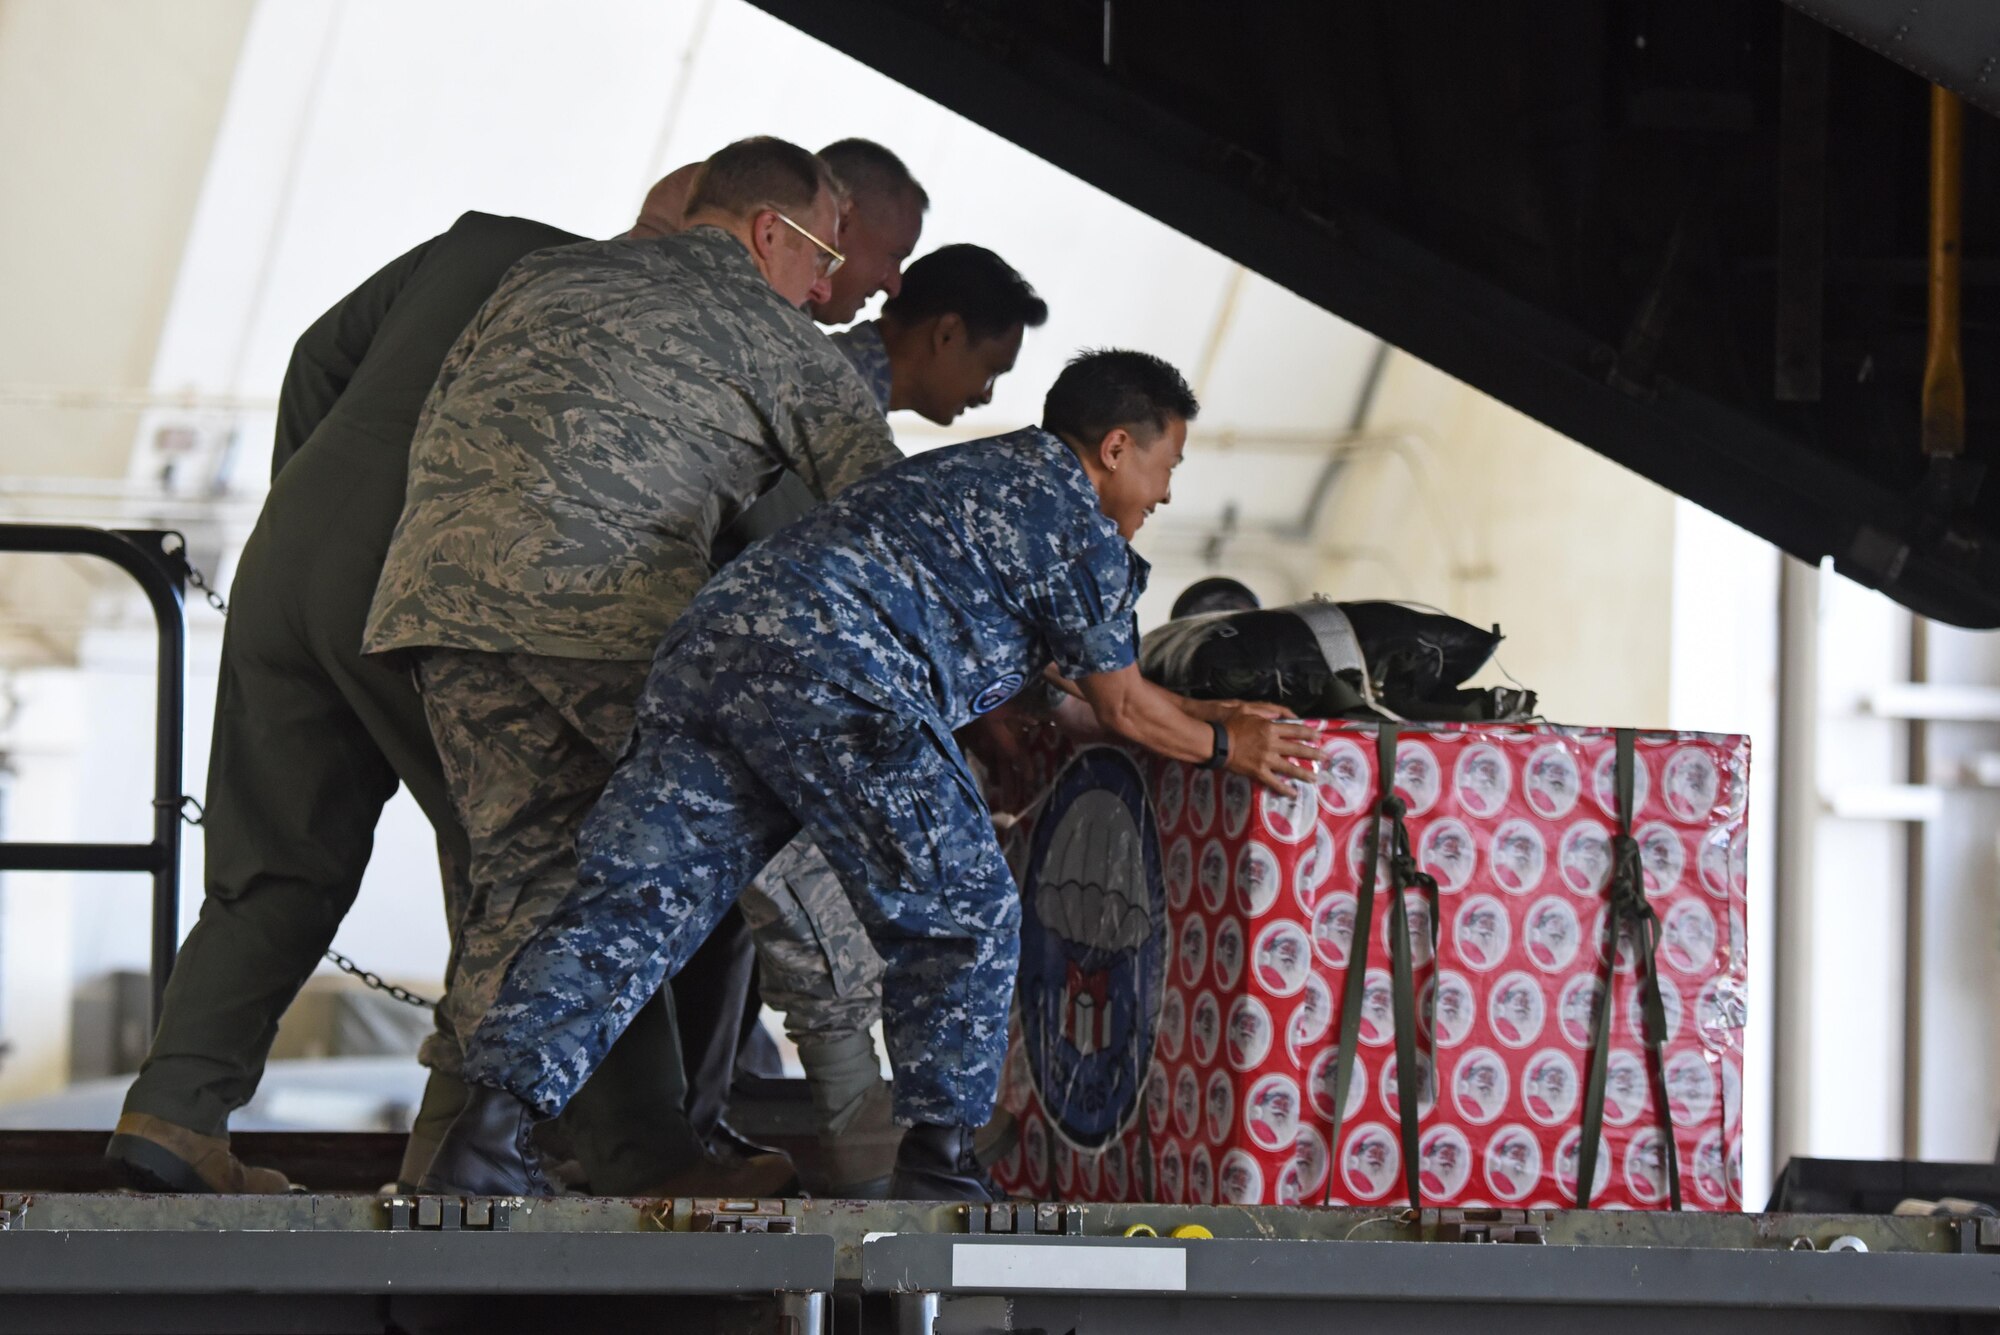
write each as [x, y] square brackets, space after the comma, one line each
[1935, 701]
[1914, 803]
[1001, 1265]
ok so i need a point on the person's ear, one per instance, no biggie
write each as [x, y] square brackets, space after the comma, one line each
[947, 332]
[1115, 447]
[764, 225]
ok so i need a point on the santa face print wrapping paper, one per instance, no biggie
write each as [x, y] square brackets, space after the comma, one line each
[1186, 938]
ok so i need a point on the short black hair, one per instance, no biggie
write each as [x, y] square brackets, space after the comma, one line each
[1105, 388]
[760, 173]
[972, 283]
[864, 166]
[1216, 593]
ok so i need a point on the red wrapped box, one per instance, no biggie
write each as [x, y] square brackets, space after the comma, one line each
[1186, 943]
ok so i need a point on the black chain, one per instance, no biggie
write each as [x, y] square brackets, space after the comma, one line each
[198, 816]
[368, 977]
[213, 598]
[376, 981]
[175, 544]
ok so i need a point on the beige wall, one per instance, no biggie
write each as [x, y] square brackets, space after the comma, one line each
[108, 111]
[1494, 517]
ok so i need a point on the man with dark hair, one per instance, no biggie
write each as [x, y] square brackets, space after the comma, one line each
[311, 739]
[1100, 392]
[879, 225]
[814, 685]
[953, 328]
[607, 411]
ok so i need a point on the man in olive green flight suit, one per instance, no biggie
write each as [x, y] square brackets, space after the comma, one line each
[311, 739]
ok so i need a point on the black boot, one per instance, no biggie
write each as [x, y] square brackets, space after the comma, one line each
[488, 1151]
[938, 1163]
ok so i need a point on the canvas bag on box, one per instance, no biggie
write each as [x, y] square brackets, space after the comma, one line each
[1322, 659]
[1518, 825]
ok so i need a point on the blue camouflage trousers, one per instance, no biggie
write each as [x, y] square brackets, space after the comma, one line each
[725, 766]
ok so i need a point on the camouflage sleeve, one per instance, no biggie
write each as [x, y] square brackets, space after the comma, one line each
[842, 436]
[1086, 609]
[327, 354]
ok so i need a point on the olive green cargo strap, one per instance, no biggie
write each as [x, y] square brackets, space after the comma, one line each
[1628, 906]
[1403, 873]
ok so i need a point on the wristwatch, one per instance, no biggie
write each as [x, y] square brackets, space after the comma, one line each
[1221, 756]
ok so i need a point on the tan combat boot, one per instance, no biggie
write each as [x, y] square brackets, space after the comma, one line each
[155, 1155]
[857, 1150]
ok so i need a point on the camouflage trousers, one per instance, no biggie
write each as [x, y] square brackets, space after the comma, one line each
[816, 965]
[527, 743]
[728, 763]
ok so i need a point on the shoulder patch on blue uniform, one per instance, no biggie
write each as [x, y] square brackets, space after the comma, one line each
[998, 693]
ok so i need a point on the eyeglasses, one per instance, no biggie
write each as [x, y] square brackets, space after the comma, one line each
[829, 260]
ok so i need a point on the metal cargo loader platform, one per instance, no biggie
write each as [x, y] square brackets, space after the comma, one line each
[76, 1261]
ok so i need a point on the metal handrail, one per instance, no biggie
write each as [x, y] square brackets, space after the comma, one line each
[156, 559]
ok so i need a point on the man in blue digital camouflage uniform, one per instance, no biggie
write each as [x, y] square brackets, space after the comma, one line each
[812, 961]
[950, 331]
[814, 685]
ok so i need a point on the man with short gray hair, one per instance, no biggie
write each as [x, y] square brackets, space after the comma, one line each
[609, 410]
[881, 219]
[879, 226]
